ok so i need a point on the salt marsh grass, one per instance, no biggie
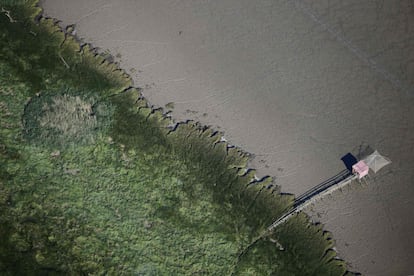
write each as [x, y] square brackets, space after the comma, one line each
[93, 182]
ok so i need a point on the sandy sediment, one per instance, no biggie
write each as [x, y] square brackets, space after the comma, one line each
[296, 85]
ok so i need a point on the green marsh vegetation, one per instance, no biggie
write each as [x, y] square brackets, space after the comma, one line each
[93, 181]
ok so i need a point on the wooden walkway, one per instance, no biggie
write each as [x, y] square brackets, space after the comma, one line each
[338, 181]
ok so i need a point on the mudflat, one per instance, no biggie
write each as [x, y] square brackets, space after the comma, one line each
[296, 84]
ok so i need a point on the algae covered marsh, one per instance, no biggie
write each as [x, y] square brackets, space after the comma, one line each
[93, 181]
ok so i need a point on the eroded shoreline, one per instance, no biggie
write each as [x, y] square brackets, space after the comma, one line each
[56, 212]
[283, 89]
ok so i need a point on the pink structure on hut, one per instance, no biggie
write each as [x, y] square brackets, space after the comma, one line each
[361, 169]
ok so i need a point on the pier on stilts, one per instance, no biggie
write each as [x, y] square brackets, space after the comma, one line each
[358, 170]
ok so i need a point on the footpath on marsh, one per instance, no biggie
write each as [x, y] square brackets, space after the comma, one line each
[94, 181]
